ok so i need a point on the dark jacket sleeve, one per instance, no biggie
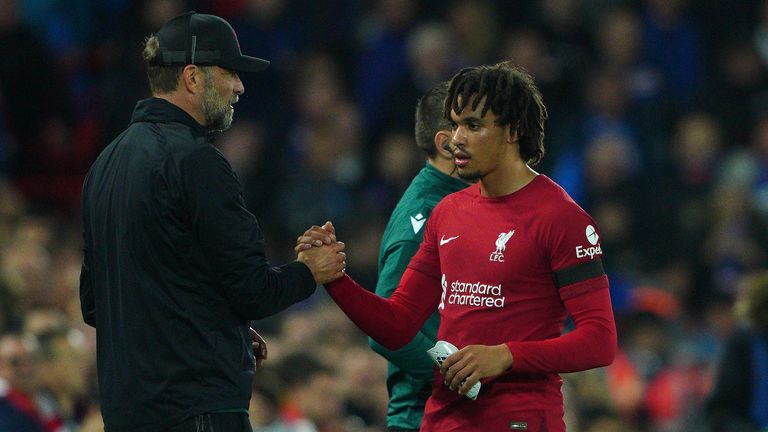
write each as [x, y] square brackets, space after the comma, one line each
[87, 300]
[232, 242]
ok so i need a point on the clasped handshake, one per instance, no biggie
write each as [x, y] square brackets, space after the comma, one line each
[322, 253]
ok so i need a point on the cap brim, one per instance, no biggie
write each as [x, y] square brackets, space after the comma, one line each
[246, 63]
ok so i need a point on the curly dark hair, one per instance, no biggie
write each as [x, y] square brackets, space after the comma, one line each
[511, 94]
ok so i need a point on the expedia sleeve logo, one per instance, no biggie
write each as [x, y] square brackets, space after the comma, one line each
[590, 251]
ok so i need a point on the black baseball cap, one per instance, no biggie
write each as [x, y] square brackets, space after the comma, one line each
[203, 40]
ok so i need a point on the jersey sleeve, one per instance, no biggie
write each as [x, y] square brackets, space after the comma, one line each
[392, 322]
[591, 344]
[409, 358]
[571, 242]
[427, 258]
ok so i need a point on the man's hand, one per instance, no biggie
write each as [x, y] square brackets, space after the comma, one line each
[327, 263]
[319, 250]
[259, 347]
[316, 236]
[474, 362]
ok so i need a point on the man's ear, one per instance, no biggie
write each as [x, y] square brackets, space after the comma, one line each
[192, 78]
[442, 144]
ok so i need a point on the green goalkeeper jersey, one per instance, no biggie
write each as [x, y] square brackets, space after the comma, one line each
[409, 378]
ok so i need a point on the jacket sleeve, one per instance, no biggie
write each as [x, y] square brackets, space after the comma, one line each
[232, 240]
[87, 296]
[87, 300]
[412, 357]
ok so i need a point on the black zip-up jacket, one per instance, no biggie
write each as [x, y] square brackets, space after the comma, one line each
[173, 270]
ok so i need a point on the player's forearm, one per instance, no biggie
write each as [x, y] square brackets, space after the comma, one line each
[412, 358]
[592, 344]
[392, 322]
[376, 316]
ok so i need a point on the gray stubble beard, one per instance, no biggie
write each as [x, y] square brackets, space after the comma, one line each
[217, 118]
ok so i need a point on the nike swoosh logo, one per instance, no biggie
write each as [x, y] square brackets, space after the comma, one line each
[444, 240]
[417, 223]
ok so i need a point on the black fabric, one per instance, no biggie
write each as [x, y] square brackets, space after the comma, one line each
[215, 422]
[174, 267]
[578, 273]
[728, 406]
[202, 39]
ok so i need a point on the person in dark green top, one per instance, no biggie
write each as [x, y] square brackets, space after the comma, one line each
[409, 379]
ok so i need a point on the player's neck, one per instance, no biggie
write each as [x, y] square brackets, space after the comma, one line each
[507, 180]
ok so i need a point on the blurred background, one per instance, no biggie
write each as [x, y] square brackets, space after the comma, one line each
[658, 128]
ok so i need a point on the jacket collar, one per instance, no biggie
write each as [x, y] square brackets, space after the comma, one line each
[156, 110]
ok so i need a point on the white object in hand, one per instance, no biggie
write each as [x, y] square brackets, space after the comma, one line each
[440, 352]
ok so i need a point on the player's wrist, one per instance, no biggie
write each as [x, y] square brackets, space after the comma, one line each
[507, 357]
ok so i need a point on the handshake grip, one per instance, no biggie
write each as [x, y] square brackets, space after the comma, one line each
[440, 352]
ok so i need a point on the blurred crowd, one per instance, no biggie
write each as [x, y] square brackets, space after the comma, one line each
[658, 127]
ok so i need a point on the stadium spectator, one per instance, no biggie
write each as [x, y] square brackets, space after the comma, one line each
[739, 400]
[19, 385]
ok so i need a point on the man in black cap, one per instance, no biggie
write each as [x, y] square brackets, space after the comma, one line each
[174, 265]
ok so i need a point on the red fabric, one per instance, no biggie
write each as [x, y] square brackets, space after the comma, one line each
[393, 321]
[25, 404]
[591, 344]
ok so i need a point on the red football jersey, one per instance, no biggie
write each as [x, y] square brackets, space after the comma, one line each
[509, 269]
[495, 258]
